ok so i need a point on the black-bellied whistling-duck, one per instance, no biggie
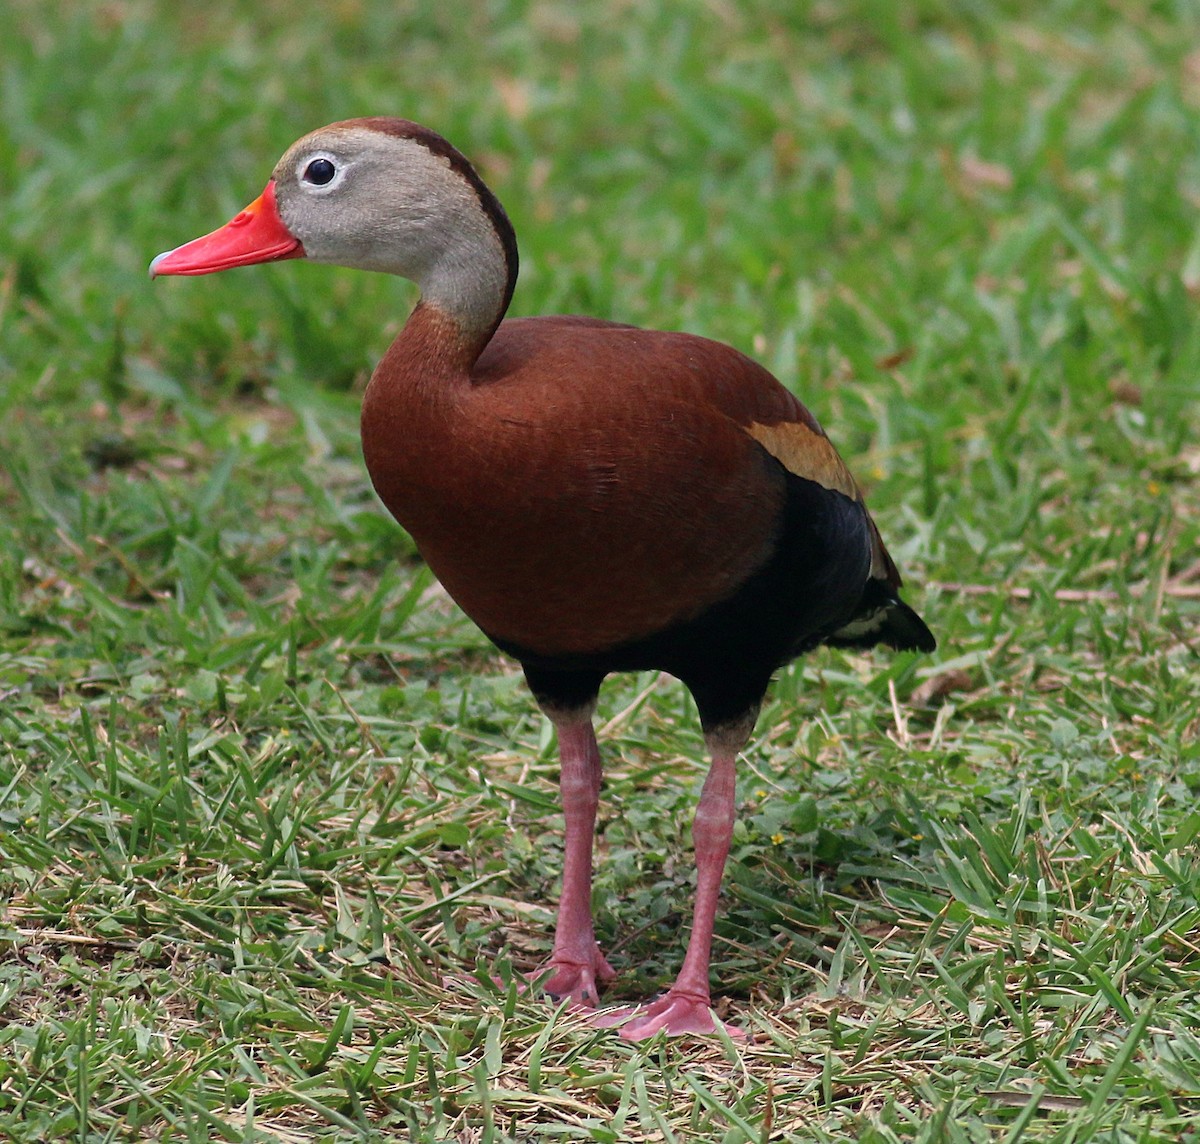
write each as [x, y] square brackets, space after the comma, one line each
[595, 496]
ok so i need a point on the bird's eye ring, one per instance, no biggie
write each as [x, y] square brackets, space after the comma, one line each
[320, 172]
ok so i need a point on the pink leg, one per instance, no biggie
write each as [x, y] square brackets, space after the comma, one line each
[577, 966]
[686, 1006]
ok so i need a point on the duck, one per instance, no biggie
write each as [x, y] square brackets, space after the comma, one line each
[597, 497]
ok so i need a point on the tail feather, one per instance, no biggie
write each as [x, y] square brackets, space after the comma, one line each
[882, 617]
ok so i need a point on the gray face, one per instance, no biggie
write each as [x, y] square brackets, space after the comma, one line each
[359, 197]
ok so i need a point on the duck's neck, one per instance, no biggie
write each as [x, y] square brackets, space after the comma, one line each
[459, 248]
[464, 293]
[434, 352]
[466, 269]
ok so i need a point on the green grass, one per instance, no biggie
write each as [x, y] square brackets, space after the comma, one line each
[272, 812]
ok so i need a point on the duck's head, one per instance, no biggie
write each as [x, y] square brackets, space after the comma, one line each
[374, 194]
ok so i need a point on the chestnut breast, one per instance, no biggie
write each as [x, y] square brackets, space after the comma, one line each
[584, 484]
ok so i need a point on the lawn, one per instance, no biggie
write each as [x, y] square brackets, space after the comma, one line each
[273, 812]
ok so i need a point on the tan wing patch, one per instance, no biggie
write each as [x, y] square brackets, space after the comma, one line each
[806, 453]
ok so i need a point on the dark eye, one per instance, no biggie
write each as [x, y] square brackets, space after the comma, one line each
[319, 172]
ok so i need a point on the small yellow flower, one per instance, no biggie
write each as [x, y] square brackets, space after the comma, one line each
[1153, 488]
[760, 794]
[918, 837]
[777, 839]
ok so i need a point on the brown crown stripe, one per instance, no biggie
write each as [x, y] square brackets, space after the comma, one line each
[807, 453]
